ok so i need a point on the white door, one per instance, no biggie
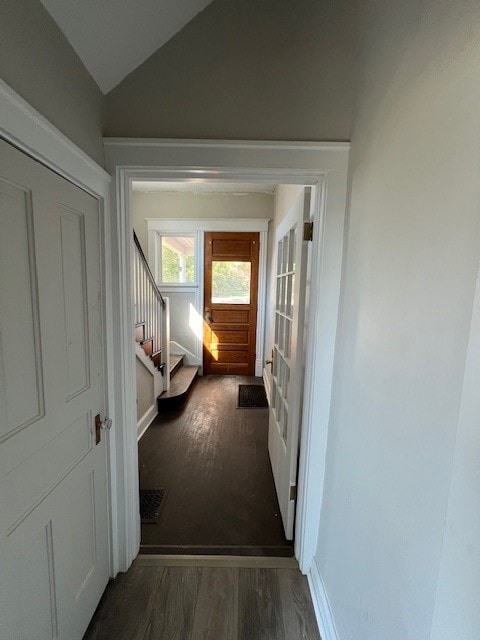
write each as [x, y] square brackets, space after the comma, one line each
[288, 367]
[53, 495]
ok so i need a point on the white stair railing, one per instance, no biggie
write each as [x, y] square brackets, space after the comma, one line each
[151, 310]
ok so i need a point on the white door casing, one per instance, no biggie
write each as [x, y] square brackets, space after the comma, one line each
[53, 477]
[286, 387]
[324, 164]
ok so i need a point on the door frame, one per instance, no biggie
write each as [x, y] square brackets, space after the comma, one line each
[30, 132]
[324, 165]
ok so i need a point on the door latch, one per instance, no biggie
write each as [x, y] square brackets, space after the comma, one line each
[105, 424]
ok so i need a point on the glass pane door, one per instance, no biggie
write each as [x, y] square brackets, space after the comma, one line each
[284, 313]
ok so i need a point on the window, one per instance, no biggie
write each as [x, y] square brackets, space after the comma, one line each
[230, 282]
[177, 259]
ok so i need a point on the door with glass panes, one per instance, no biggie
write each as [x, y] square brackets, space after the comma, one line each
[287, 366]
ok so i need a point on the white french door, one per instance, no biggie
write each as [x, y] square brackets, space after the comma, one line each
[53, 494]
[287, 367]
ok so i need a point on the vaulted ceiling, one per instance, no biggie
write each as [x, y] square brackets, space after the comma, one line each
[113, 37]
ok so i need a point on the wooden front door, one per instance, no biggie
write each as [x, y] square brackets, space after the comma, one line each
[230, 303]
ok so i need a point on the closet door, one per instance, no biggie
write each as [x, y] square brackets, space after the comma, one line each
[53, 495]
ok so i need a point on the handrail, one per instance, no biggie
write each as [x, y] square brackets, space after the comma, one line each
[148, 270]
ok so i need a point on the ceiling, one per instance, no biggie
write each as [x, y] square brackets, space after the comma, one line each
[113, 37]
[232, 188]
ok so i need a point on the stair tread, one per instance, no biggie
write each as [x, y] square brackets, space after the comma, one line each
[175, 359]
[181, 383]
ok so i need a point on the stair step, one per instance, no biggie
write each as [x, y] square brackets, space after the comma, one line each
[179, 387]
[176, 361]
[140, 331]
[157, 358]
[147, 346]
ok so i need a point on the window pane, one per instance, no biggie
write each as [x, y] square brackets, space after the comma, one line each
[178, 259]
[230, 282]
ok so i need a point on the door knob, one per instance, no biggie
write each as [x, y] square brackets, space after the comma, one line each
[207, 317]
[269, 361]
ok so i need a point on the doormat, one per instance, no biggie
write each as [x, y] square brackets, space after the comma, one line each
[252, 396]
[151, 504]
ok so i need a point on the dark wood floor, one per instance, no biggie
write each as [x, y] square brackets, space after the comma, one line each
[212, 459]
[205, 603]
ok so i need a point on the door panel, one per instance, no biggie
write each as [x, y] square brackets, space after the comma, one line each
[287, 367]
[230, 304]
[53, 498]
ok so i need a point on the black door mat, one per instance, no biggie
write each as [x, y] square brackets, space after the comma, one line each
[151, 504]
[252, 396]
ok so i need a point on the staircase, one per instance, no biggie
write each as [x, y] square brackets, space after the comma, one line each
[182, 378]
[152, 334]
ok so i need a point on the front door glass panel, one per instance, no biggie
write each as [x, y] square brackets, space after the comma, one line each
[231, 282]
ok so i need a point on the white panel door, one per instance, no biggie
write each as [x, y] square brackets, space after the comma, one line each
[288, 367]
[53, 496]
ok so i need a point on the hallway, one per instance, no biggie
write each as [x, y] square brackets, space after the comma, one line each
[212, 459]
[205, 603]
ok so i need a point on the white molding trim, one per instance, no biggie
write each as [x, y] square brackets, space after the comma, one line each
[324, 165]
[175, 225]
[146, 420]
[261, 303]
[321, 605]
[268, 387]
[225, 144]
[25, 128]
[31, 132]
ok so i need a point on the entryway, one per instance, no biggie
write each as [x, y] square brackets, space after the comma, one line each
[211, 457]
[206, 283]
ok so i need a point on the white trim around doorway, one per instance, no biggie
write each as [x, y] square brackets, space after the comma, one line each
[321, 164]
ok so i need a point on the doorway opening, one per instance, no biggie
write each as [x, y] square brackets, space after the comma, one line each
[235, 285]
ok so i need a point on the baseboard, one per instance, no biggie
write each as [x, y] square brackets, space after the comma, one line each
[323, 613]
[146, 420]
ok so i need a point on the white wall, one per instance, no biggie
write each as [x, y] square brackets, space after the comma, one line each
[170, 204]
[412, 255]
[457, 610]
[145, 389]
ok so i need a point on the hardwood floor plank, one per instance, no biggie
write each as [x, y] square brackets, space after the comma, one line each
[205, 603]
[126, 605]
[216, 611]
[298, 613]
[213, 460]
[260, 614]
[172, 614]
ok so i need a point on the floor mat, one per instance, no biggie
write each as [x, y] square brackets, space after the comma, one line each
[252, 396]
[151, 503]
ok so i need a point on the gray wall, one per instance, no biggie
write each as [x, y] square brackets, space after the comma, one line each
[40, 65]
[413, 248]
[273, 69]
